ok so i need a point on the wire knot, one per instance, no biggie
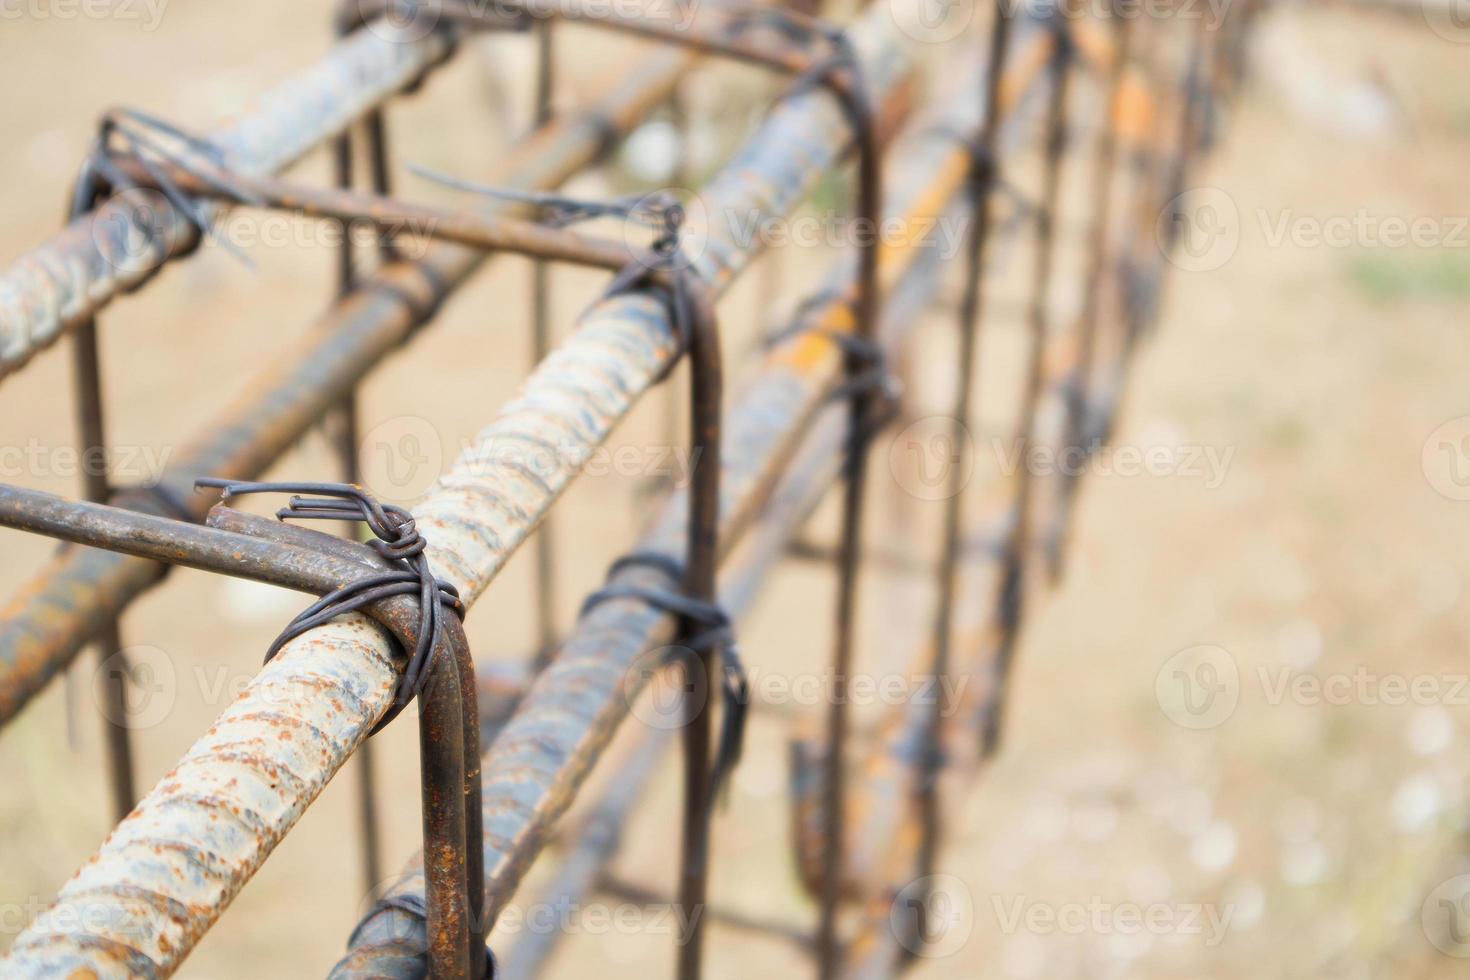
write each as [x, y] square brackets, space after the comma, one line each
[397, 541]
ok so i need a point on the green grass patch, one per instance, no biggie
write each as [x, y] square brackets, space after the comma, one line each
[1404, 275]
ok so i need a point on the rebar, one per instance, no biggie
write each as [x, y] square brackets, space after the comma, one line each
[802, 422]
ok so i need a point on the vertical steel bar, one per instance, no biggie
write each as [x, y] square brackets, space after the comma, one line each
[1100, 252]
[540, 348]
[1018, 540]
[861, 419]
[111, 654]
[344, 440]
[701, 565]
[112, 658]
[985, 172]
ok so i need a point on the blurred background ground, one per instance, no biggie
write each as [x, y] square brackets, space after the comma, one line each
[1296, 836]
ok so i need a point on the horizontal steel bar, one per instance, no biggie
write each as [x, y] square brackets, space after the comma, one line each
[390, 216]
[256, 548]
[286, 564]
[68, 279]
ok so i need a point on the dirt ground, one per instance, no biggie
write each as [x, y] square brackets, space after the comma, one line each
[1237, 745]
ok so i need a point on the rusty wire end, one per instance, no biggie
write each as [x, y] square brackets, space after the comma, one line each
[128, 135]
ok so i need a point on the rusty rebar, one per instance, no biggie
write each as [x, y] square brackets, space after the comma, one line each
[985, 172]
[62, 284]
[64, 606]
[1012, 597]
[479, 513]
[573, 708]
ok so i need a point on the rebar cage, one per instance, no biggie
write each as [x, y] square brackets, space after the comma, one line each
[1058, 91]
